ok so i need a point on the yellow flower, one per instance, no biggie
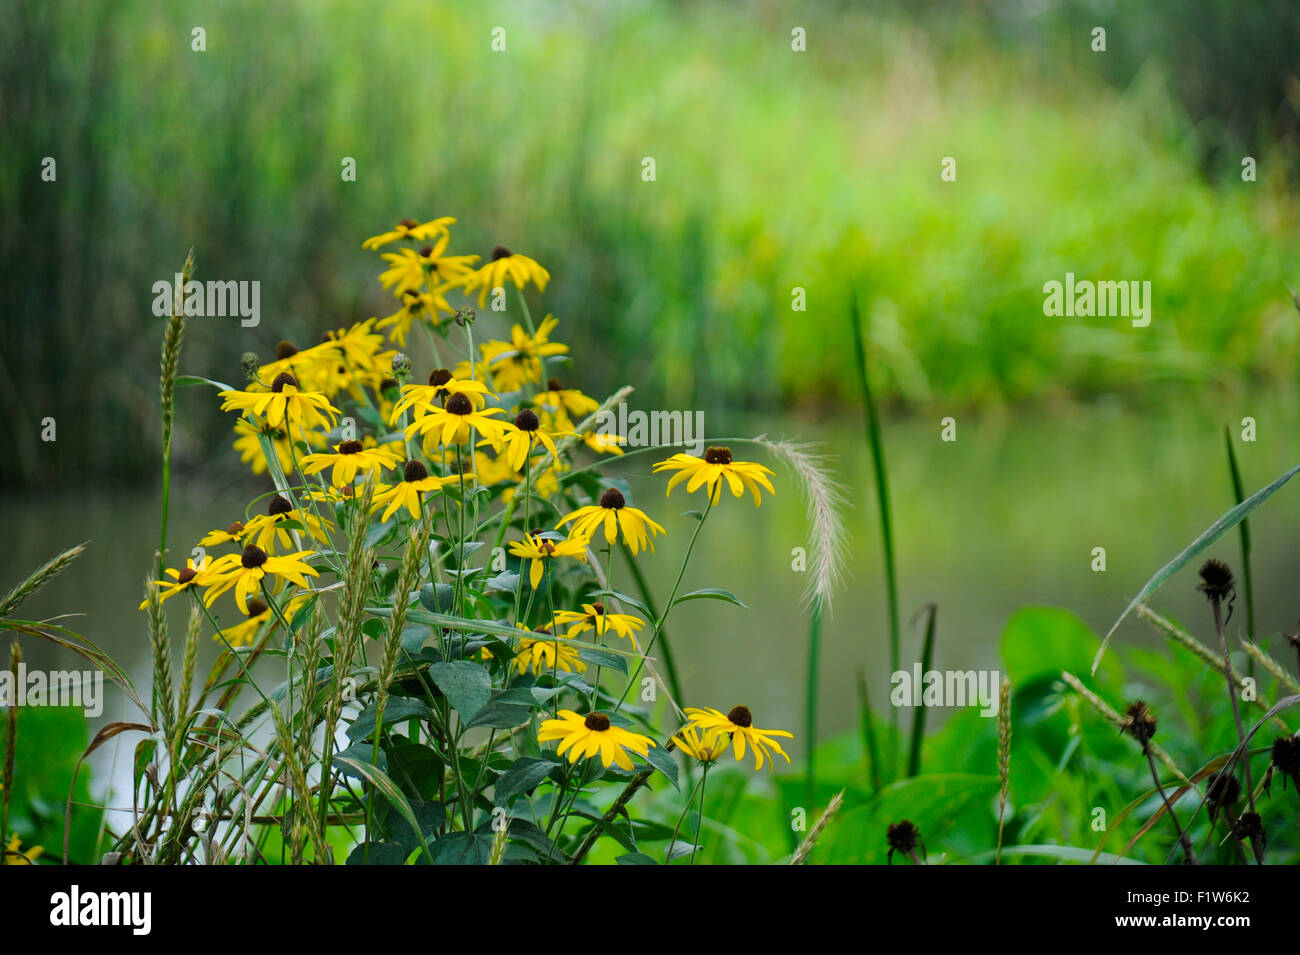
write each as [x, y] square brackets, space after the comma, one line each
[613, 512]
[519, 361]
[349, 459]
[410, 229]
[557, 398]
[267, 532]
[451, 423]
[595, 616]
[414, 304]
[710, 471]
[243, 633]
[591, 734]
[690, 742]
[505, 264]
[408, 269]
[544, 656]
[234, 534]
[249, 445]
[416, 480]
[284, 405]
[17, 856]
[540, 549]
[181, 580]
[526, 434]
[738, 725]
[245, 572]
[442, 384]
[604, 443]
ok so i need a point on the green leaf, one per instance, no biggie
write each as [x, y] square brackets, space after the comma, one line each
[1227, 522]
[467, 686]
[663, 761]
[635, 858]
[437, 597]
[462, 848]
[502, 715]
[525, 774]
[711, 593]
[389, 790]
[399, 708]
[380, 853]
[603, 658]
[362, 753]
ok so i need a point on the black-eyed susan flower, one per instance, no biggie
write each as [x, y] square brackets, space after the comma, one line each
[451, 423]
[243, 633]
[408, 269]
[695, 744]
[519, 269]
[904, 837]
[422, 399]
[712, 469]
[614, 515]
[593, 734]
[527, 434]
[181, 581]
[284, 405]
[542, 655]
[268, 530]
[249, 445]
[557, 398]
[416, 482]
[516, 363]
[596, 617]
[738, 725]
[411, 229]
[233, 534]
[349, 459]
[246, 571]
[540, 549]
[15, 855]
[416, 304]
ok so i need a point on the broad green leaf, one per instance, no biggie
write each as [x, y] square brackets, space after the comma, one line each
[526, 773]
[398, 708]
[389, 790]
[603, 658]
[663, 761]
[467, 686]
[711, 593]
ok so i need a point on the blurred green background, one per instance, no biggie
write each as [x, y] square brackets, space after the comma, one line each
[775, 169]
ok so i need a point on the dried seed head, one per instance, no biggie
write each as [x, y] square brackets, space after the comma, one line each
[1286, 754]
[1223, 790]
[903, 836]
[1216, 580]
[1250, 826]
[1139, 722]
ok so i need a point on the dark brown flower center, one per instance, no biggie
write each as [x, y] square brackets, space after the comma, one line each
[253, 556]
[598, 607]
[408, 223]
[902, 836]
[278, 505]
[414, 471]
[350, 447]
[282, 379]
[613, 499]
[1286, 754]
[500, 252]
[186, 575]
[741, 716]
[526, 420]
[439, 377]
[597, 721]
[718, 455]
[285, 350]
[256, 608]
[1216, 579]
[1139, 722]
[426, 251]
[459, 404]
[554, 384]
[235, 529]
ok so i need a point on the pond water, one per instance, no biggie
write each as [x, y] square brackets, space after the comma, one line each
[1007, 515]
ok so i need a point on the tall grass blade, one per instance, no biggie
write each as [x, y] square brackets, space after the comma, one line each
[1238, 493]
[918, 721]
[811, 695]
[1211, 534]
[867, 726]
